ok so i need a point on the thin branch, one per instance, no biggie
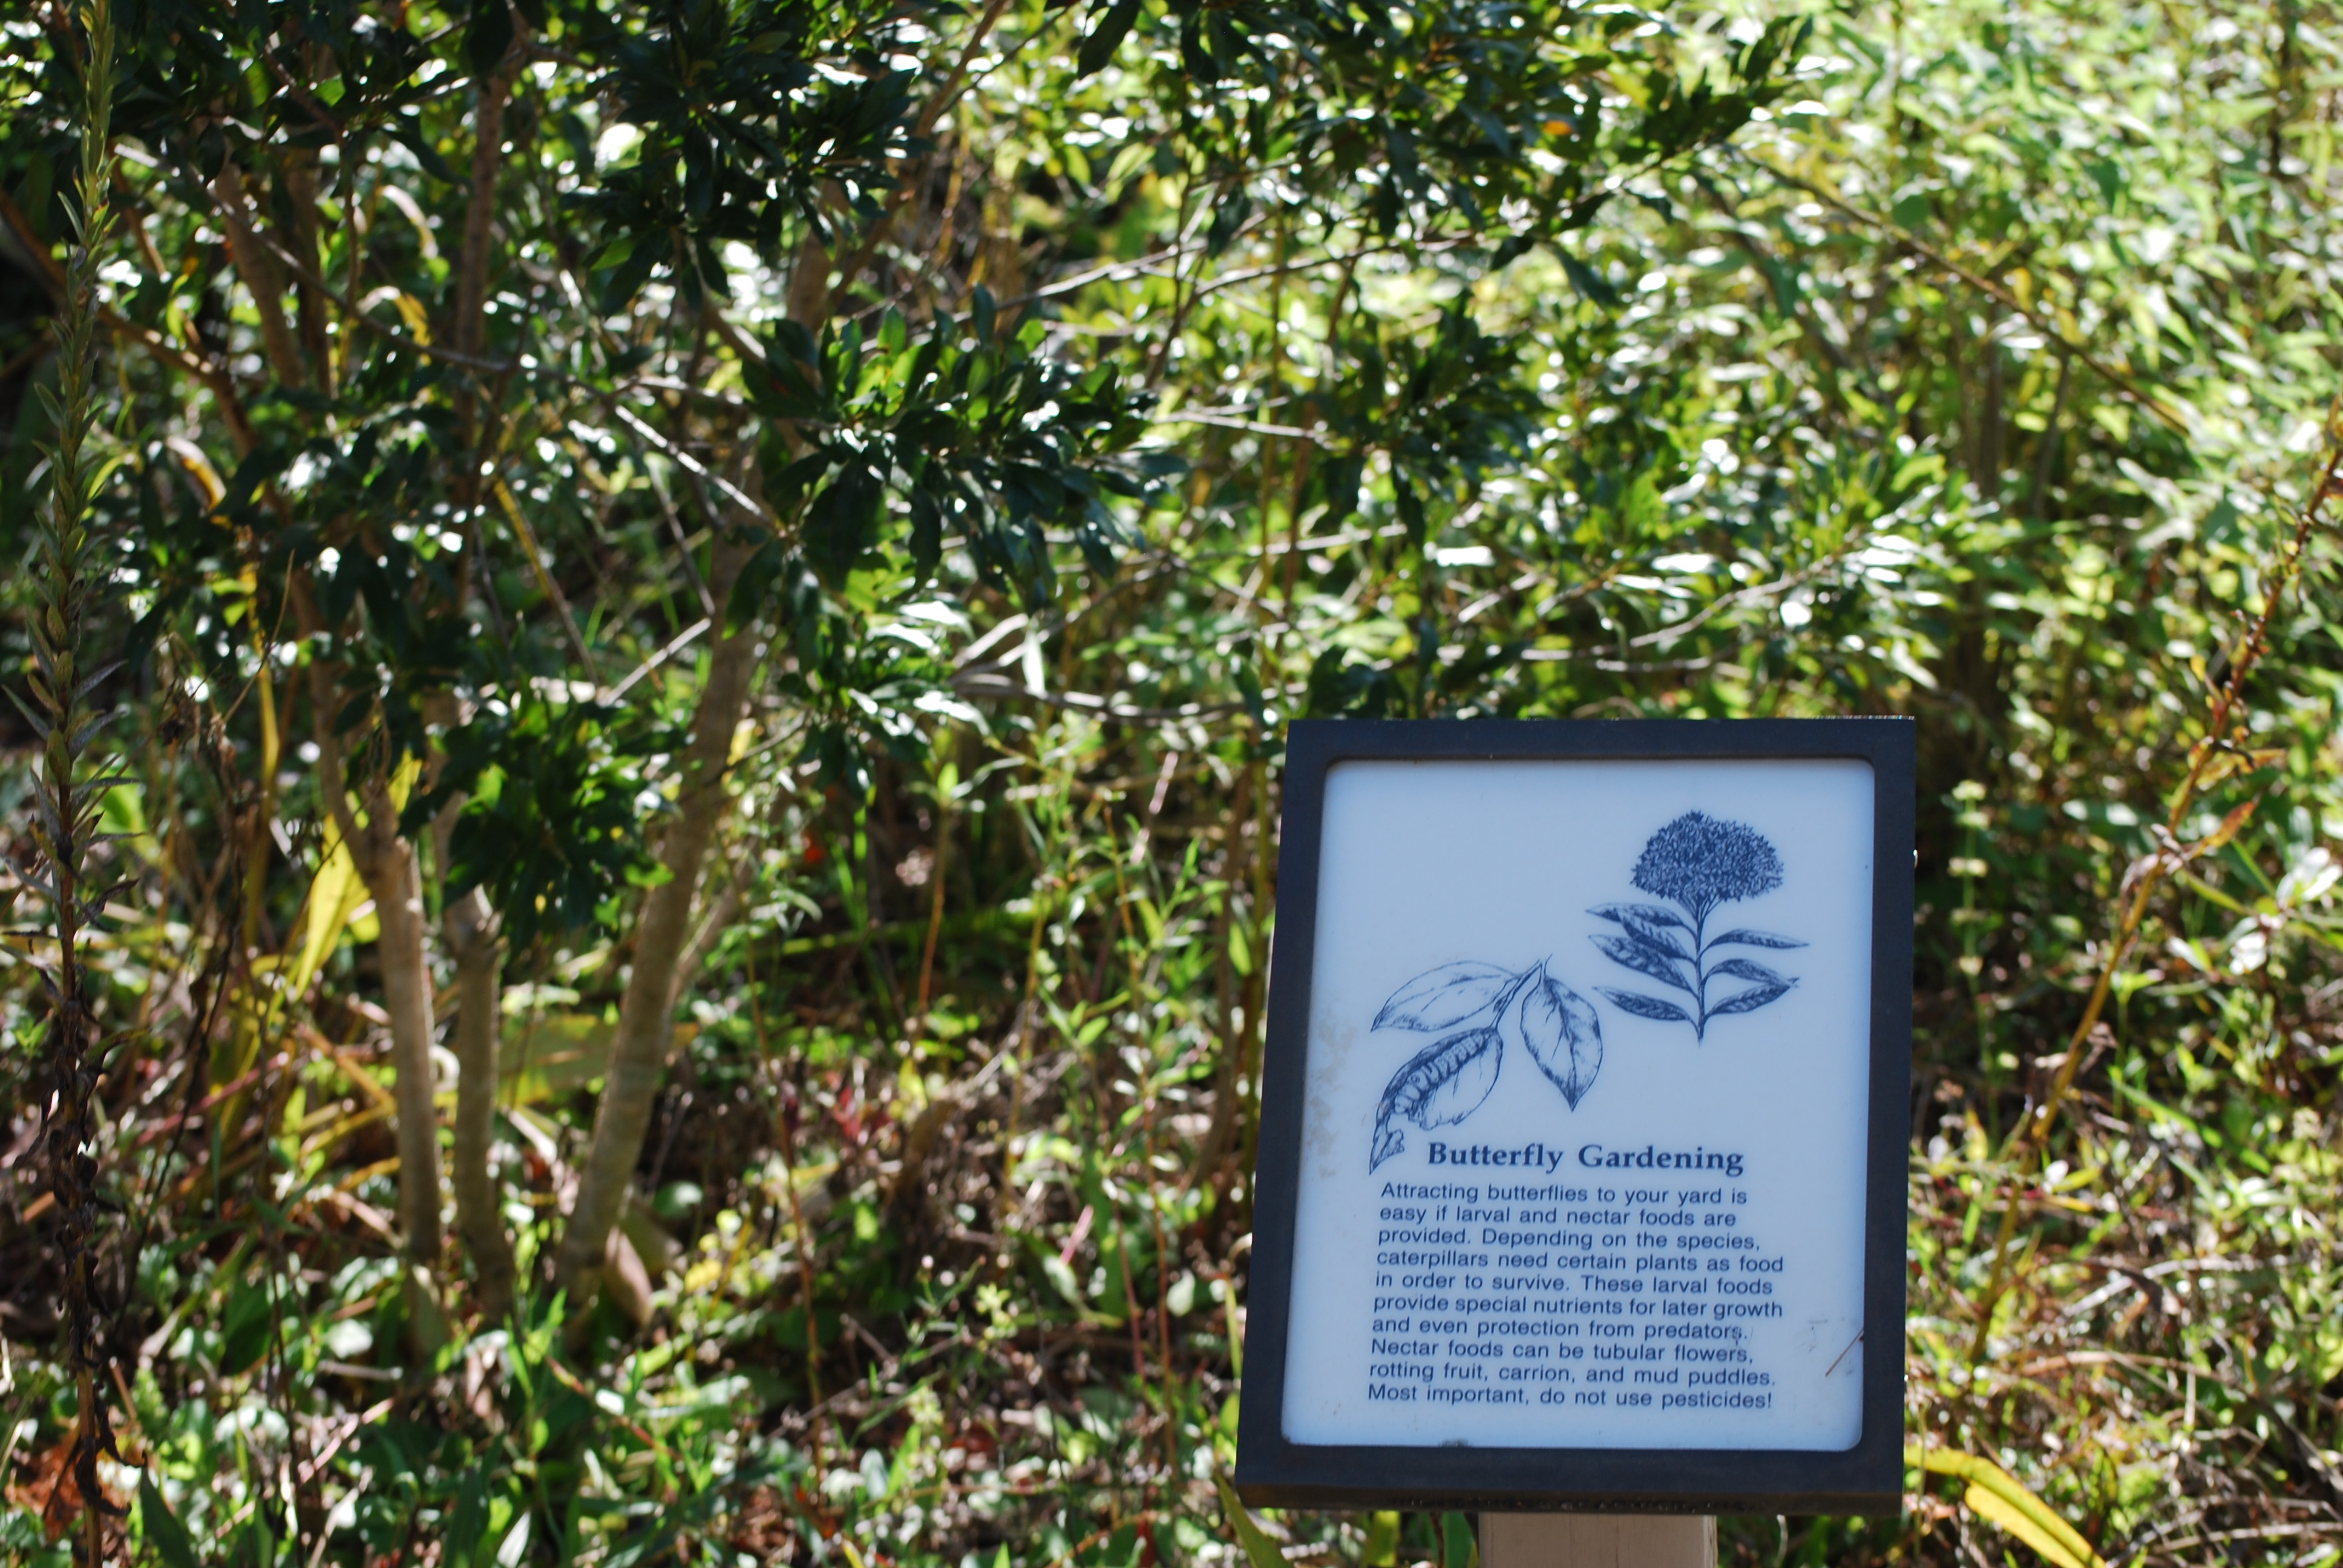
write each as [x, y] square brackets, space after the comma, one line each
[682, 640]
[992, 682]
[527, 536]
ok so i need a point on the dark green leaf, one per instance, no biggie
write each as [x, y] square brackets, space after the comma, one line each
[487, 36]
[162, 1528]
[1106, 37]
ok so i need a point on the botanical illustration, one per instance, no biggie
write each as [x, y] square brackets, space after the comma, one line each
[1477, 1013]
[1697, 862]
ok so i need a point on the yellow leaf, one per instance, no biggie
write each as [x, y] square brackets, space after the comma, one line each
[2218, 769]
[335, 1132]
[1992, 1506]
[338, 894]
[333, 896]
[409, 770]
[2229, 826]
[411, 311]
[1996, 1495]
[198, 468]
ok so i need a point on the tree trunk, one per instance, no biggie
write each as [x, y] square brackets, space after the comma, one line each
[391, 875]
[469, 924]
[639, 1048]
[471, 932]
[387, 864]
[488, 159]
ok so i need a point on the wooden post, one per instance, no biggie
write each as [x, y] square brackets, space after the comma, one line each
[1598, 1541]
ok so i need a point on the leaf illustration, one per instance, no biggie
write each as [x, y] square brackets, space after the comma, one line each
[1652, 933]
[1749, 938]
[1644, 960]
[1651, 914]
[1643, 1006]
[1751, 969]
[1442, 1084]
[1752, 1000]
[1445, 997]
[1560, 1030]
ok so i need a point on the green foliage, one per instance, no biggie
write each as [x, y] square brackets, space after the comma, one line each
[994, 442]
[744, 115]
[1062, 399]
[162, 1529]
[554, 804]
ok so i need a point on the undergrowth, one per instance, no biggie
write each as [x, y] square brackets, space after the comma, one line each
[1970, 363]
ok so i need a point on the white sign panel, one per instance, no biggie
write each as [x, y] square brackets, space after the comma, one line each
[1583, 1141]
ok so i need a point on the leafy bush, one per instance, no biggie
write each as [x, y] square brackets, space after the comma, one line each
[709, 593]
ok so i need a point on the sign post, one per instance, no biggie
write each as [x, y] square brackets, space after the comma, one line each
[1584, 1119]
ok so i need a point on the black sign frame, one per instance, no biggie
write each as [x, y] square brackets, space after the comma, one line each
[1866, 1479]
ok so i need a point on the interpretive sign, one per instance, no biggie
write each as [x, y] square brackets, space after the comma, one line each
[1583, 1119]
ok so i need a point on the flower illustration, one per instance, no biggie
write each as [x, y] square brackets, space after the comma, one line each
[1697, 862]
[1701, 861]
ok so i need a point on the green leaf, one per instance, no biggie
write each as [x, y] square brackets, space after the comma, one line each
[250, 1324]
[839, 525]
[469, 1520]
[1106, 38]
[488, 36]
[1382, 1549]
[1410, 507]
[1458, 1548]
[162, 1527]
[1590, 284]
[1260, 1551]
[752, 584]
